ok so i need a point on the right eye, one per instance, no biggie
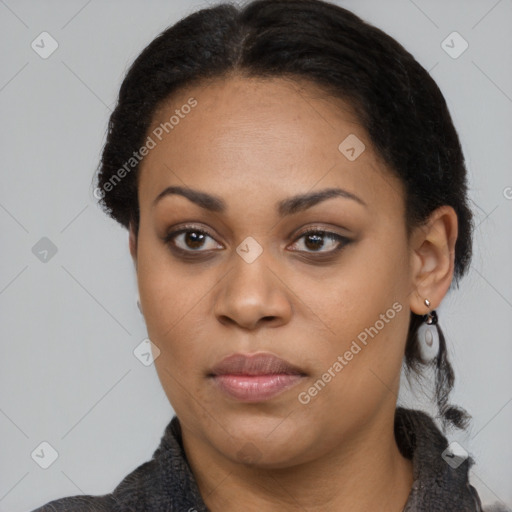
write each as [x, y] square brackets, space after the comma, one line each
[188, 239]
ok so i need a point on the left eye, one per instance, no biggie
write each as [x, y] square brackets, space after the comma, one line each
[315, 240]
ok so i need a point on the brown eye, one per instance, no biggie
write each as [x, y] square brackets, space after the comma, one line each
[315, 241]
[194, 239]
[189, 239]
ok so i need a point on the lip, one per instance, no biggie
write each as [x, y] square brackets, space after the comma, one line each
[255, 377]
[260, 363]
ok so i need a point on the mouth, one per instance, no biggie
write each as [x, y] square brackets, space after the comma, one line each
[256, 377]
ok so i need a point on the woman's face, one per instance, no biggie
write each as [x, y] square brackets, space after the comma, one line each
[335, 306]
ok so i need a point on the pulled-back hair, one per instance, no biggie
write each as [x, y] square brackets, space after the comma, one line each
[396, 100]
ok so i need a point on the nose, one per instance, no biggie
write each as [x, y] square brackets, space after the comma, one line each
[252, 295]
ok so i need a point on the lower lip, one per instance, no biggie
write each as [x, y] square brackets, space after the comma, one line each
[255, 388]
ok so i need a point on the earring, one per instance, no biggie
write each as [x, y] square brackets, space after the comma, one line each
[138, 305]
[431, 317]
[428, 336]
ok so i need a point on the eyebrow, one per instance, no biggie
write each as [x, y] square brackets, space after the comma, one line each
[285, 207]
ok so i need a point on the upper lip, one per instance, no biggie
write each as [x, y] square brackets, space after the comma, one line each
[255, 364]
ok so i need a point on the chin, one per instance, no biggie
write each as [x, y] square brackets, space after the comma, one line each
[261, 439]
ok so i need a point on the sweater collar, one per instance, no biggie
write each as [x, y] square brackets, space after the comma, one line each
[437, 486]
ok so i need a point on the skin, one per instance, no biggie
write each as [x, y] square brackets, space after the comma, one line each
[253, 143]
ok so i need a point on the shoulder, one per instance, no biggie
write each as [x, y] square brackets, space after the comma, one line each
[131, 491]
[80, 503]
[162, 482]
[438, 485]
[496, 508]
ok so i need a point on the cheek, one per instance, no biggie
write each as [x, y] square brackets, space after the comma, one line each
[366, 308]
[162, 291]
[369, 280]
[162, 286]
[174, 302]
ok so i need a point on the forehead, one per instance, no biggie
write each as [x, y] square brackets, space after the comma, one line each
[252, 134]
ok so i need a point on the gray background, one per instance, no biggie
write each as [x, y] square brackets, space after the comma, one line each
[69, 325]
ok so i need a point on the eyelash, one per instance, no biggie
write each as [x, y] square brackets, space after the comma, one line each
[342, 241]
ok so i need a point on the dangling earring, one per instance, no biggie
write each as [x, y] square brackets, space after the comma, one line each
[138, 305]
[428, 336]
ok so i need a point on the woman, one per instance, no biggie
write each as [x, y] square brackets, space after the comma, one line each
[296, 199]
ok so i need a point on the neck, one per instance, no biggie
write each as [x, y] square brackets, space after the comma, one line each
[364, 473]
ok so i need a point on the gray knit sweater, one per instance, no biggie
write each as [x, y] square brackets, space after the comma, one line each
[166, 483]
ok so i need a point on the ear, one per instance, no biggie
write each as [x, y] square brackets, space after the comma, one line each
[433, 259]
[133, 243]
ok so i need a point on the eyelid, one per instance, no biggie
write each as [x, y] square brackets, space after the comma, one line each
[318, 227]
